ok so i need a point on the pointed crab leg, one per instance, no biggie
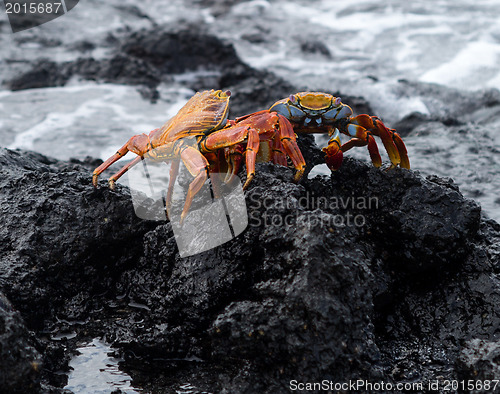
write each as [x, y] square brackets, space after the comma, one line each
[233, 156]
[363, 126]
[277, 151]
[251, 154]
[198, 166]
[112, 180]
[174, 171]
[234, 135]
[372, 148]
[289, 141]
[405, 161]
[138, 144]
[376, 127]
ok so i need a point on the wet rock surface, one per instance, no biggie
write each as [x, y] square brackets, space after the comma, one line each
[44, 268]
[385, 276]
[19, 361]
[480, 359]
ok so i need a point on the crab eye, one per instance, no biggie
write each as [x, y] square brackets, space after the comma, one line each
[228, 93]
[337, 101]
[293, 99]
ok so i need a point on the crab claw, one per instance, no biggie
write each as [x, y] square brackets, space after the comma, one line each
[334, 154]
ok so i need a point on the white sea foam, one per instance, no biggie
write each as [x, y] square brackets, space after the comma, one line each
[475, 65]
[80, 120]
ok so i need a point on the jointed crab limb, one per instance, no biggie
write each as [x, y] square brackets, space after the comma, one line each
[233, 156]
[235, 135]
[251, 154]
[277, 150]
[362, 126]
[138, 144]
[112, 180]
[288, 139]
[372, 148]
[198, 166]
[376, 127]
[174, 171]
[405, 161]
[333, 152]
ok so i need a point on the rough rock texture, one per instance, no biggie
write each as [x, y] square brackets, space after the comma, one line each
[19, 361]
[367, 274]
[480, 360]
[58, 245]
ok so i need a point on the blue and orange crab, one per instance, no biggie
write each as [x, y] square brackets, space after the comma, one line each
[201, 136]
[317, 112]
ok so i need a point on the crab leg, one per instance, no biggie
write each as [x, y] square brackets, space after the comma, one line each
[234, 135]
[363, 126]
[138, 144]
[251, 154]
[112, 180]
[263, 122]
[405, 161]
[334, 152]
[277, 150]
[234, 156]
[372, 148]
[289, 141]
[198, 166]
[174, 171]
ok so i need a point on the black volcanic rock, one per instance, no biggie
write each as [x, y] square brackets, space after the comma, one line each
[41, 200]
[44, 73]
[365, 274]
[180, 50]
[19, 361]
[480, 360]
[145, 57]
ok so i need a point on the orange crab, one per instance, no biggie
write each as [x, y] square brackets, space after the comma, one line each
[317, 112]
[198, 134]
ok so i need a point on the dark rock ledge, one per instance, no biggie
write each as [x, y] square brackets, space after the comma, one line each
[411, 294]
